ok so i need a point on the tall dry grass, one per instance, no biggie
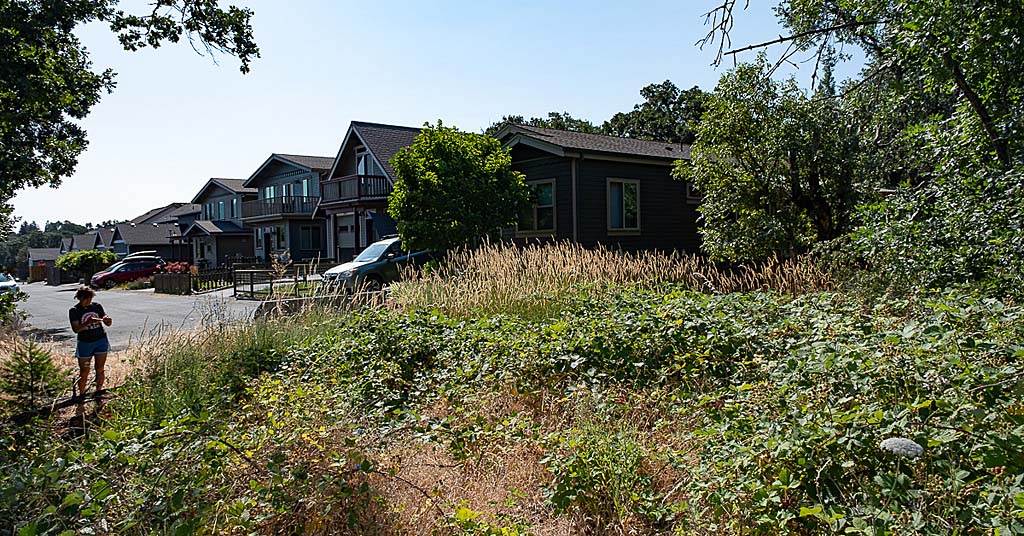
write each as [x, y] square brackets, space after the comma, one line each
[498, 277]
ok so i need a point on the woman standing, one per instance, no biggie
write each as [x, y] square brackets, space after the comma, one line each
[87, 320]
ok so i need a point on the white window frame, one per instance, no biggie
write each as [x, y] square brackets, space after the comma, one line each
[692, 195]
[608, 206]
[533, 206]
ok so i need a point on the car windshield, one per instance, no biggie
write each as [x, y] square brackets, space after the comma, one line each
[114, 266]
[4, 278]
[373, 252]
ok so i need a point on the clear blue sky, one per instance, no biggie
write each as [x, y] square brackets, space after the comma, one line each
[176, 119]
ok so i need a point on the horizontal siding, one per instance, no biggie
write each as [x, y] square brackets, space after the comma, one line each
[546, 166]
[667, 221]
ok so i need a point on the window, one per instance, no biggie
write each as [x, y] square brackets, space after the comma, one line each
[540, 217]
[268, 192]
[279, 236]
[259, 237]
[234, 207]
[220, 210]
[305, 187]
[623, 205]
[309, 237]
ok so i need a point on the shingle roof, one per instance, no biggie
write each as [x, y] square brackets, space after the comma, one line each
[146, 234]
[155, 214]
[66, 242]
[384, 141]
[106, 236]
[84, 241]
[187, 208]
[213, 227]
[43, 254]
[235, 185]
[316, 163]
[600, 143]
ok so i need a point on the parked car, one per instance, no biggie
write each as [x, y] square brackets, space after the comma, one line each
[128, 269]
[378, 265]
[8, 284]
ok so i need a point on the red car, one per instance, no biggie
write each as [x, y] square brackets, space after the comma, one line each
[129, 269]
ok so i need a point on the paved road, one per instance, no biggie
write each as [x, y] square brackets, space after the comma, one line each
[136, 313]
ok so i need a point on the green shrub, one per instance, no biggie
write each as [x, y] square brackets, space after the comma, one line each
[86, 262]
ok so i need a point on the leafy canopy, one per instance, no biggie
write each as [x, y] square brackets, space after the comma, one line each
[48, 84]
[86, 261]
[454, 188]
[775, 167]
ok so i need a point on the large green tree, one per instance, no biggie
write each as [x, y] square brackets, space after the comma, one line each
[775, 167]
[454, 188]
[555, 120]
[666, 114]
[48, 84]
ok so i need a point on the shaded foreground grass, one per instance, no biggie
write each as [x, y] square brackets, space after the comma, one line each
[628, 411]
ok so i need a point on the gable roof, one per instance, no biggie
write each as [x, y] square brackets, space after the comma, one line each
[565, 140]
[183, 210]
[154, 214]
[208, 227]
[147, 234]
[43, 254]
[84, 241]
[384, 141]
[65, 243]
[314, 163]
[235, 186]
[106, 236]
[318, 164]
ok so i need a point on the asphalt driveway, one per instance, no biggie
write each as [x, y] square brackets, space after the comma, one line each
[137, 314]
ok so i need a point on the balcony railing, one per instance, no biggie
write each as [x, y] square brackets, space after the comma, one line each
[355, 188]
[279, 206]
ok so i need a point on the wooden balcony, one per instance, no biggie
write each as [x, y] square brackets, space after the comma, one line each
[279, 207]
[355, 188]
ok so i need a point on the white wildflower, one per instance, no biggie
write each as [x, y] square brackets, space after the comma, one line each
[902, 446]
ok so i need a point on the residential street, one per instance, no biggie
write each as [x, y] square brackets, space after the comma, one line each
[136, 314]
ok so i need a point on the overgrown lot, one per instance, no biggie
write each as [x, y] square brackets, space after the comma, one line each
[617, 411]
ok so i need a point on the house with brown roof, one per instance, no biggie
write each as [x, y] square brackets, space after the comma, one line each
[603, 190]
[355, 193]
[216, 232]
[282, 216]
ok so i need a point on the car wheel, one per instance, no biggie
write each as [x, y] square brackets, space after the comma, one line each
[373, 284]
[109, 284]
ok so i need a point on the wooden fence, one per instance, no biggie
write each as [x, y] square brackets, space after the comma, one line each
[292, 281]
[189, 283]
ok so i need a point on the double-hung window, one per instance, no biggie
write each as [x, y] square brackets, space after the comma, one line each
[540, 217]
[220, 210]
[309, 237]
[623, 205]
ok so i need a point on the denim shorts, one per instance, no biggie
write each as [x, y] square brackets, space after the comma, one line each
[86, 350]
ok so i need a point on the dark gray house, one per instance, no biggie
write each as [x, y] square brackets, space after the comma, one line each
[162, 238]
[216, 230]
[184, 215]
[84, 242]
[282, 215]
[156, 215]
[355, 192]
[596, 189]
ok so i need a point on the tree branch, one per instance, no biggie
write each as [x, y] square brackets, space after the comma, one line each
[998, 142]
[801, 35]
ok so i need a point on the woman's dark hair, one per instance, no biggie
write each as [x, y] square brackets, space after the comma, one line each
[84, 292]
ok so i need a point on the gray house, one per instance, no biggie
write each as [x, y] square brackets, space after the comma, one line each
[162, 238]
[355, 192]
[216, 231]
[596, 189]
[282, 215]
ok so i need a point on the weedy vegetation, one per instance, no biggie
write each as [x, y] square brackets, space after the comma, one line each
[608, 402]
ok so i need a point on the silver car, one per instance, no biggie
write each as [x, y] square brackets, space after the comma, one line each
[8, 284]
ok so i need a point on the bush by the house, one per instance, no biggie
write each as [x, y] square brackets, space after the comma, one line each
[86, 262]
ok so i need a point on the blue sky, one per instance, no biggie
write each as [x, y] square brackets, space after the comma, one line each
[176, 119]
